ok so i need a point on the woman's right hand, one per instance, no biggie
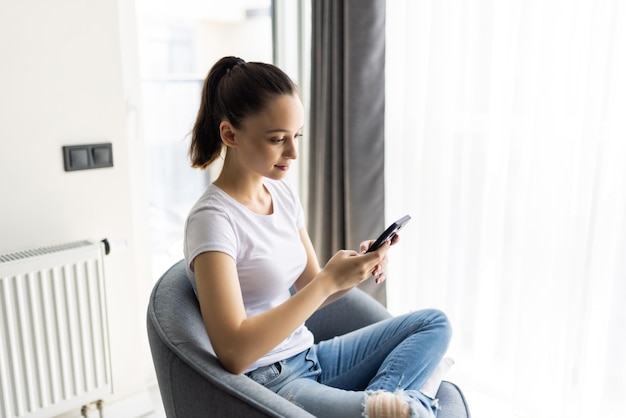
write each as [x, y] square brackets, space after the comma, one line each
[347, 268]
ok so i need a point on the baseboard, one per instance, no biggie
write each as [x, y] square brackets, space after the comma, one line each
[136, 406]
[144, 404]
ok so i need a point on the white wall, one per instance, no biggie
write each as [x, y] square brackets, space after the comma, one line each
[63, 81]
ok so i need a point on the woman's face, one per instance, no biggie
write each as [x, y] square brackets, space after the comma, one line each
[266, 143]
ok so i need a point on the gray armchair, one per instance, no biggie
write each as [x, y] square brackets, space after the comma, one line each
[193, 383]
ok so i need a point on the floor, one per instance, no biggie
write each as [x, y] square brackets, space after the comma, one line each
[158, 412]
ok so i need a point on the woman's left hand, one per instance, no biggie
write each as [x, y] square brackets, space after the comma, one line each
[380, 271]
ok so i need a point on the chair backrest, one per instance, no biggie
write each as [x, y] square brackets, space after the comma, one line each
[175, 312]
[191, 380]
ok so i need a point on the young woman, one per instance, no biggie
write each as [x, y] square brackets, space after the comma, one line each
[246, 245]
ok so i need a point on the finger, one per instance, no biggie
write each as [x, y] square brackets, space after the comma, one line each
[380, 268]
[383, 248]
[376, 257]
[395, 239]
[376, 263]
[365, 245]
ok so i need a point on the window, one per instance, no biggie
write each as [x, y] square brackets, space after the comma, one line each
[178, 43]
[505, 142]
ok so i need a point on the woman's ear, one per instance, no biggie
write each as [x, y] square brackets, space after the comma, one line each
[227, 133]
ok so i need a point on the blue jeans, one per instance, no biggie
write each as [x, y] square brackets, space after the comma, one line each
[333, 378]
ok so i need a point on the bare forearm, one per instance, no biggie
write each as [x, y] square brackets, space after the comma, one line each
[259, 334]
[334, 297]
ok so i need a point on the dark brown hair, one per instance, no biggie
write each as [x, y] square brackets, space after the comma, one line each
[233, 90]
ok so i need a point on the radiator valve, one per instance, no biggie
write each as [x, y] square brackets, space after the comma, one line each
[99, 405]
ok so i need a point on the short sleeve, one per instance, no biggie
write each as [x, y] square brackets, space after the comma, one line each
[209, 229]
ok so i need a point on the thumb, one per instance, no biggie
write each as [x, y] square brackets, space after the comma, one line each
[379, 254]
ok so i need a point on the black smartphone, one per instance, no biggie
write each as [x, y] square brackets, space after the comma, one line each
[389, 233]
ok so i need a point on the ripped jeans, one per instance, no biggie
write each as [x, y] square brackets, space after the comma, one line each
[334, 378]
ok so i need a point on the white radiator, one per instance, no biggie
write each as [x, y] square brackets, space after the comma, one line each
[54, 347]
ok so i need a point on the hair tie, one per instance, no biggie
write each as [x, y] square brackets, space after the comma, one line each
[236, 62]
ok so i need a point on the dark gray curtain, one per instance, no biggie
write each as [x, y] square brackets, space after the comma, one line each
[346, 200]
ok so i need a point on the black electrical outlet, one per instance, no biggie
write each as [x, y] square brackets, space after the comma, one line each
[84, 157]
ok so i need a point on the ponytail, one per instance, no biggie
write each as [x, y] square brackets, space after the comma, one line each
[206, 144]
[232, 91]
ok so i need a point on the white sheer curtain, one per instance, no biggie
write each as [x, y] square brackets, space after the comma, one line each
[506, 142]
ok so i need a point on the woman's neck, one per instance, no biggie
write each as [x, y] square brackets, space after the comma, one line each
[249, 190]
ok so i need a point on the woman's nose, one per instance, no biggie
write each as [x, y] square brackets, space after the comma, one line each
[291, 150]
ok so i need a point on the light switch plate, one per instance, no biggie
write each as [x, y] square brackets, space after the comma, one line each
[84, 157]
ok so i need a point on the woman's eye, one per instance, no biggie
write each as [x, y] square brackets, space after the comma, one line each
[283, 139]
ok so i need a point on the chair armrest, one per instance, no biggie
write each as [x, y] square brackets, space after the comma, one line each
[353, 311]
[452, 401]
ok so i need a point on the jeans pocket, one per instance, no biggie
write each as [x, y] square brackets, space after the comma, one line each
[266, 375]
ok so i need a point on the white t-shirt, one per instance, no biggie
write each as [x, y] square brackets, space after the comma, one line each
[266, 248]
